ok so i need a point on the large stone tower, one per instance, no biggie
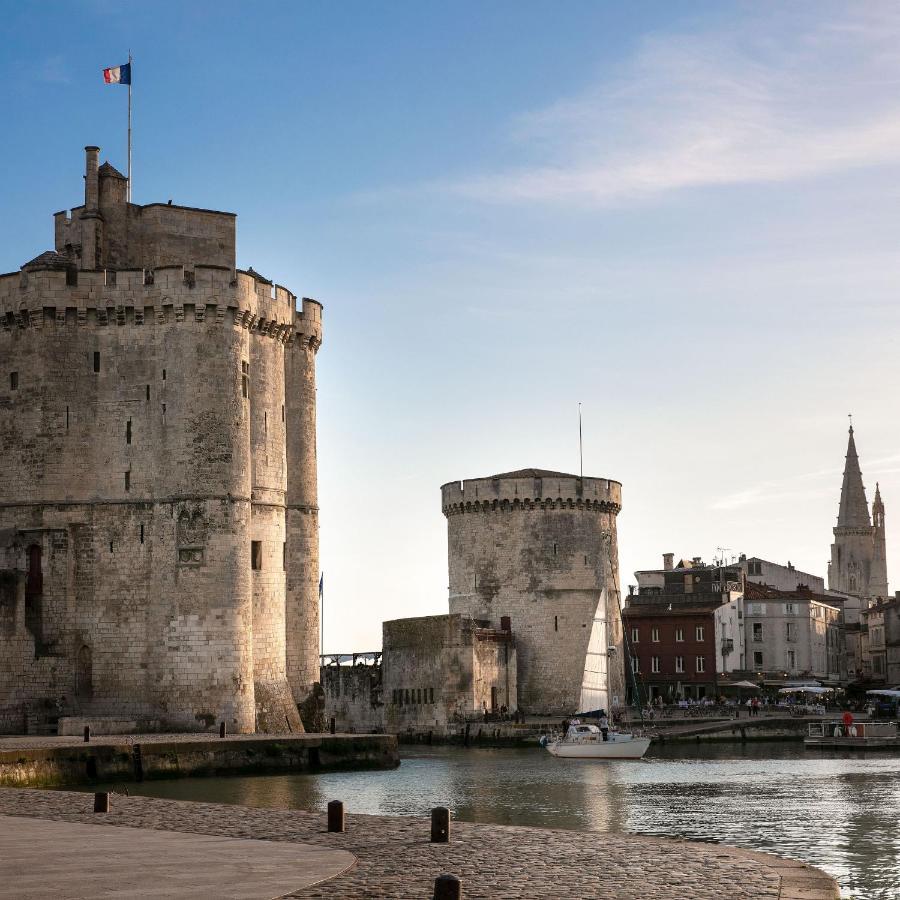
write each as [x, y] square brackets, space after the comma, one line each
[158, 518]
[858, 561]
[537, 551]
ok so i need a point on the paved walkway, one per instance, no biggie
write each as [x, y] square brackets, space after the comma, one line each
[396, 860]
[41, 859]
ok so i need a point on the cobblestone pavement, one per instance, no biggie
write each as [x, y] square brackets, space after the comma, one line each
[396, 860]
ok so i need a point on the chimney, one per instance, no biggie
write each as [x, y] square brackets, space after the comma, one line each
[698, 561]
[91, 180]
[668, 561]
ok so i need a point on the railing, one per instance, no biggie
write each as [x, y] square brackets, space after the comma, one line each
[856, 730]
[372, 657]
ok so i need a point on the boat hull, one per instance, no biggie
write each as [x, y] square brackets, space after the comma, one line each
[634, 748]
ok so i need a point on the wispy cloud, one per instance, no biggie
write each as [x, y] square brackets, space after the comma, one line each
[784, 96]
[803, 486]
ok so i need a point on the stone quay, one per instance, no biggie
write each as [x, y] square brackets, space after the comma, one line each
[395, 857]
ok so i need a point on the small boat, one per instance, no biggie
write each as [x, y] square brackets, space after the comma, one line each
[586, 742]
[840, 735]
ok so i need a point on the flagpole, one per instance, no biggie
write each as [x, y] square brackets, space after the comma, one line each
[130, 79]
[580, 447]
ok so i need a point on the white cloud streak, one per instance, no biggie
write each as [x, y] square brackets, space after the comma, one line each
[786, 96]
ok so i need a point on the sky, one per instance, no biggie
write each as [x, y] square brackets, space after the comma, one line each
[683, 216]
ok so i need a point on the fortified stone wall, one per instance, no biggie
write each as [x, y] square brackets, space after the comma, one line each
[443, 669]
[353, 697]
[540, 549]
[145, 423]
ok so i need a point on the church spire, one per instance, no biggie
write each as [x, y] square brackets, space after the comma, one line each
[854, 510]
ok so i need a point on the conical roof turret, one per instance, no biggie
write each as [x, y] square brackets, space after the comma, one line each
[854, 510]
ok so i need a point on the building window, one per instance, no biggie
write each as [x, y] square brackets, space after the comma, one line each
[635, 665]
[792, 659]
[284, 555]
[790, 631]
[701, 664]
[556, 623]
[128, 432]
[679, 634]
[754, 567]
[128, 481]
[13, 381]
[654, 635]
[96, 360]
[757, 632]
[245, 379]
[634, 635]
[654, 663]
[789, 609]
[698, 632]
[431, 695]
[679, 663]
[256, 555]
[757, 659]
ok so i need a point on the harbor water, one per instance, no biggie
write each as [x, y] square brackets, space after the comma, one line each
[838, 811]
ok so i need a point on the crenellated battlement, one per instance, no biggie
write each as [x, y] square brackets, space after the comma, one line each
[38, 296]
[526, 491]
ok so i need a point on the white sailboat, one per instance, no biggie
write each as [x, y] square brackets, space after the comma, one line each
[586, 742]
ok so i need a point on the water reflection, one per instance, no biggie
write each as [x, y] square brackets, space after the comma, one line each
[837, 811]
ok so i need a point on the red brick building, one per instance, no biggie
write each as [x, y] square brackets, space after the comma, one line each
[672, 649]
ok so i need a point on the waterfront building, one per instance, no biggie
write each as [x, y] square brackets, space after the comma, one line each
[788, 578]
[158, 510]
[678, 637]
[793, 633]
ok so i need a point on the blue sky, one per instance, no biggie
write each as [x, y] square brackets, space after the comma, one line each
[684, 216]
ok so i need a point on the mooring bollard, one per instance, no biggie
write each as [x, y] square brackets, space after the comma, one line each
[101, 802]
[87, 733]
[335, 815]
[440, 825]
[333, 725]
[447, 887]
[223, 730]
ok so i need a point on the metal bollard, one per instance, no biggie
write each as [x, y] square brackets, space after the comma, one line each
[335, 815]
[101, 802]
[447, 887]
[223, 730]
[333, 726]
[440, 825]
[87, 733]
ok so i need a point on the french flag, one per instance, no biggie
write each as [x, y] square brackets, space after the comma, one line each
[118, 74]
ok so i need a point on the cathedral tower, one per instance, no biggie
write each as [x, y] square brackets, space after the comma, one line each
[858, 565]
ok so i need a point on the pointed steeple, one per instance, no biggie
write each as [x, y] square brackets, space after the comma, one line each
[854, 510]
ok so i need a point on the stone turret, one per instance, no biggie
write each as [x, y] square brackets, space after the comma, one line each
[537, 551]
[158, 444]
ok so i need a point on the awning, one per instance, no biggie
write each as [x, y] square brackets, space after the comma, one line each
[811, 689]
[885, 693]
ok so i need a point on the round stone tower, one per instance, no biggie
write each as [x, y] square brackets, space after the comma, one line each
[157, 415]
[537, 552]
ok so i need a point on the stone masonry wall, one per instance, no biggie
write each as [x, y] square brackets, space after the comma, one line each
[353, 697]
[541, 551]
[441, 669]
[145, 427]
